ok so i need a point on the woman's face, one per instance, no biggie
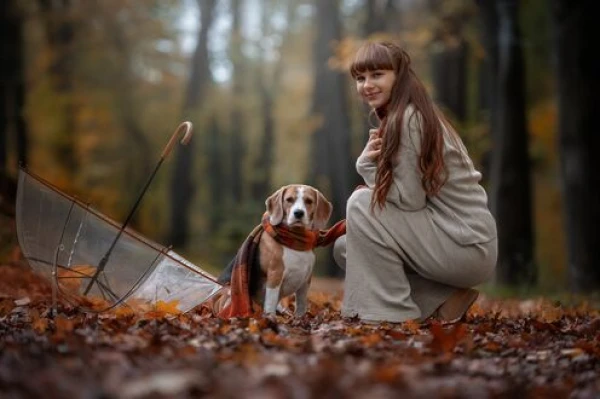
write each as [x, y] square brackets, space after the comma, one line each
[375, 87]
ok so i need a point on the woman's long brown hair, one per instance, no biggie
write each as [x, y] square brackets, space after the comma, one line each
[407, 89]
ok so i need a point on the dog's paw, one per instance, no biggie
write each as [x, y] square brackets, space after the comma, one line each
[270, 317]
[271, 322]
[285, 312]
[306, 316]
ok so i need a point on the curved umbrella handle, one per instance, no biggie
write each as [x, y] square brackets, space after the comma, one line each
[186, 129]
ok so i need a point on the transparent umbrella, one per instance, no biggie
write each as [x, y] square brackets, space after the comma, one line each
[86, 254]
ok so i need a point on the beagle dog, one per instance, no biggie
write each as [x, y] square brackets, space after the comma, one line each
[285, 271]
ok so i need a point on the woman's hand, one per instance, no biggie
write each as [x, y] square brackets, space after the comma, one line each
[373, 148]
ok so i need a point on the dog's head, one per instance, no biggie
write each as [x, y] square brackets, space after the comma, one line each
[299, 205]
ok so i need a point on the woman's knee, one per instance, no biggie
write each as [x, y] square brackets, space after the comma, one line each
[480, 272]
[339, 252]
[486, 269]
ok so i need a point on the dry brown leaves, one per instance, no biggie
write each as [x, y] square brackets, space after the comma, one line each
[513, 348]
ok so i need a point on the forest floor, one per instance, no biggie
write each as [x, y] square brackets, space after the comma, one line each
[506, 348]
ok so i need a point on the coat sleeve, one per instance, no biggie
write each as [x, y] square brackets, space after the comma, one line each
[366, 168]
[406, 191]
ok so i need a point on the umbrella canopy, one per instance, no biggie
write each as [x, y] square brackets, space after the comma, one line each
[66, 240]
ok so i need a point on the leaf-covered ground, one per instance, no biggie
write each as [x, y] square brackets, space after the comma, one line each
[508, 348]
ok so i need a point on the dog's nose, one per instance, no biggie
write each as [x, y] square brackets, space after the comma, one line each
[298, 213]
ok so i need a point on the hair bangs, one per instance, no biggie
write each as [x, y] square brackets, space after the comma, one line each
[371, 57]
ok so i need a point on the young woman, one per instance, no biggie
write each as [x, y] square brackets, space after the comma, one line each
[420, 234]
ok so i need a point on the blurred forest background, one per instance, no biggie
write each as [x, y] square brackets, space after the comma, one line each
[91, 91]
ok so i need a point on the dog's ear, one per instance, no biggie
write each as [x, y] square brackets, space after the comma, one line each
[323, 211]
[274, 206]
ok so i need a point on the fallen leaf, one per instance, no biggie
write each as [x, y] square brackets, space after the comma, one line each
[39, 324]
[23, 301]
[6, 306]
[445, 341]
[572, 352]
[63, 324]
[171, 307]
[371, 339]
[72, 278]
[412, 326]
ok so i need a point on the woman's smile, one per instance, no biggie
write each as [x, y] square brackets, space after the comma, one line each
[375, 86]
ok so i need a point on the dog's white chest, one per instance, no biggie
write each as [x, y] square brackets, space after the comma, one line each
[298, 267]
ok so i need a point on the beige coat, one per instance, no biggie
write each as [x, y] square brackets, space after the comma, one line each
[403, 261]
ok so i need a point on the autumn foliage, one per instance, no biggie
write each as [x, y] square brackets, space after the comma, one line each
[510, 348]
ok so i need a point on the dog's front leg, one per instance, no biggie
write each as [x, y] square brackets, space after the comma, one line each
[302, 299]
[271, 299]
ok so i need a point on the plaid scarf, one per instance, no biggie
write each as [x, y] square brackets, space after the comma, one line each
[301, 239]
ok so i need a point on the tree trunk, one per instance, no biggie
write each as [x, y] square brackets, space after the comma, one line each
[139, 163]
[449, 62]
[377, 21]
[488, 27]
[12, 100]
[236, 137]
[264, 162]
[511, 197]
[578, 77]
[489, 36]
[382, 17]
[60, 35]
[7, 37]
[262, 184]
[376, 17]
[214, 153]
[332, 164]
[182, 189]
[449, 72]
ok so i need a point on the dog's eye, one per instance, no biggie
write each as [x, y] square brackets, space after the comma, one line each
[308, 202]
[289, 200]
